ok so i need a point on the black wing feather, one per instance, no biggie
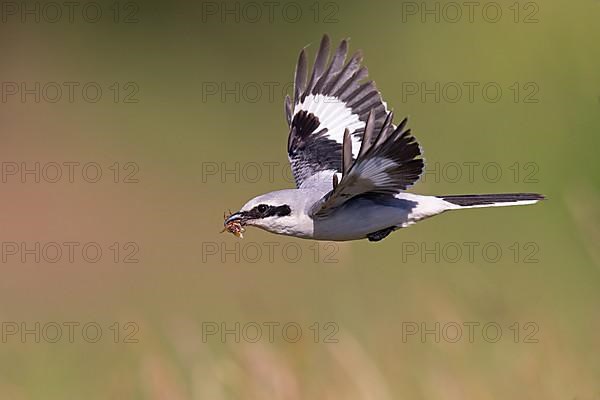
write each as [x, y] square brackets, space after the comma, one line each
[315, 139]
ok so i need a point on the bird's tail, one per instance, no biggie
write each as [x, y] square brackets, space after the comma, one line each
[492, 200]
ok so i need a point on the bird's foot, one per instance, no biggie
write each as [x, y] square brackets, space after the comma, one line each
[380, 235]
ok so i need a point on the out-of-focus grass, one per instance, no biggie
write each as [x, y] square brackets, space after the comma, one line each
[370, 292]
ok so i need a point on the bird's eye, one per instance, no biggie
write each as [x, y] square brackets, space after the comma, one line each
[262, 208]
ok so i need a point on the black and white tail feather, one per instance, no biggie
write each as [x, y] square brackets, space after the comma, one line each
[492, 200]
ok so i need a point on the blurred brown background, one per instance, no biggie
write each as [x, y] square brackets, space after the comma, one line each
[179, 107]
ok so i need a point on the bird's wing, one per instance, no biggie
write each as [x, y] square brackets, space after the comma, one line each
[387, 163]
[333, 97]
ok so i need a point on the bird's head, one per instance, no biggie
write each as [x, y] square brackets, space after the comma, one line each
[273, 212]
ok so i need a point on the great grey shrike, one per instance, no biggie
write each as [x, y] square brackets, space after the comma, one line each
[351, 163]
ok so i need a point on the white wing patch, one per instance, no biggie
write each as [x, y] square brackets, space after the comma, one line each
[334, 115]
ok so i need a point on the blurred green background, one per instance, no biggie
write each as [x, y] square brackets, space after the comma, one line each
[170, 65]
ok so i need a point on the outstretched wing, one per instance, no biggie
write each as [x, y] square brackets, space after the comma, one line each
[387, 163]
[335, 96]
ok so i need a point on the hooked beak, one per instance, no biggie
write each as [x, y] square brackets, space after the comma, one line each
[238, 217]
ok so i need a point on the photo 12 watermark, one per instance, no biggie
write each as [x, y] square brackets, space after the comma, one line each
[248, 252]
[52, 92]
[470, 12]
[68, 252]
[526, 172]
[69, 332]
[270, 12]
[469, 332]
[269, 332]
[245, 92]
[69, 12]
[470, 252]
[43, 172]
[490, 92]
[246, 172]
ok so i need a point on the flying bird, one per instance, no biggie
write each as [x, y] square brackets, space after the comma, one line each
[351, 163]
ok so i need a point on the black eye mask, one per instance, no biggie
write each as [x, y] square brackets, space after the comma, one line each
[268, 211]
